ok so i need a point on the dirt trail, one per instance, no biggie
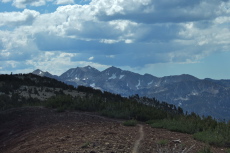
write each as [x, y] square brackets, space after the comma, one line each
[137, 142]
[37, 129]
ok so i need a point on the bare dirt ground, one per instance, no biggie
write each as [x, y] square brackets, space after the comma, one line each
[37, 129]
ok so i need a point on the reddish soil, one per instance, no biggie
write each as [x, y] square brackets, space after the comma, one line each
[37, 129]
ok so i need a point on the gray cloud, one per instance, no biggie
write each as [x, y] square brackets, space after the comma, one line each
[123, 54]
[95, 30]
[159, 32]
[1, 45]
[176, 11]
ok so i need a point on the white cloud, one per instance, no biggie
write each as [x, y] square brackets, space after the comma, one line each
[26, 17]
[120, 6]
[108, 41]
[91, 58]
[24, 3]
[61, 2]
[80, 22]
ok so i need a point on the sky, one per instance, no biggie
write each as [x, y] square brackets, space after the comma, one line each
[158, 37]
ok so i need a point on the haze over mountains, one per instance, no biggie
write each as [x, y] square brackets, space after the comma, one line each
[202, 96]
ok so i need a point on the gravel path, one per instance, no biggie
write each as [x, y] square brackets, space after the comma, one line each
[138, 141]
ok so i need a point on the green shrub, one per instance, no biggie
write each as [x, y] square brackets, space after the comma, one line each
[61, 102]
[210, 137]
[176, 125]
[206, 149]
[130, 123]
[218, 136]
[156, 124]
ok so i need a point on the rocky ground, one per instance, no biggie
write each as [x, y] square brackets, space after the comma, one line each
[38, 129]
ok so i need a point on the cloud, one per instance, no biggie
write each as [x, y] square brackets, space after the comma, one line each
[91, 58]
[14, 19]
[176, 11]
[123, 33]
[6, 1]
[24, 3]
[62, 2]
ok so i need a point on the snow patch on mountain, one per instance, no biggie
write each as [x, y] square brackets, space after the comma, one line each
[182, 98]
[194, 93]
[113, 76]
[92, 85]
[139, 84]
[150, 83]
[121, 76]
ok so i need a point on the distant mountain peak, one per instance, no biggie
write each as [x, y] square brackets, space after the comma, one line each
[38, 72]
[113, 69]
[80, 73]
[89, 67]
[188, 77]
[42, 73]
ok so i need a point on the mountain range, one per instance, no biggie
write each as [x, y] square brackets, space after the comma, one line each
[202, 96]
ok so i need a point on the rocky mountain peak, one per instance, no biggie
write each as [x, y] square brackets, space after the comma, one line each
[88, 69]
[80, 73]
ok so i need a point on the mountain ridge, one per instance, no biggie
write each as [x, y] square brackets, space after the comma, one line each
[202, 96]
